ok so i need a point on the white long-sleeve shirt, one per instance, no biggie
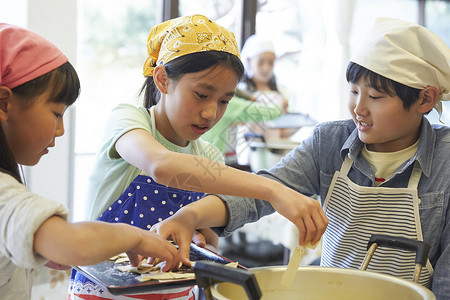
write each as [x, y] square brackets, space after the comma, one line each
[21, 214]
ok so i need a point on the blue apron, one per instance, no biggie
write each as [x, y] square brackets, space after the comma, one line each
[144, 203]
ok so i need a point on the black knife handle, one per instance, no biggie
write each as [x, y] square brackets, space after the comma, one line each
[208, 273]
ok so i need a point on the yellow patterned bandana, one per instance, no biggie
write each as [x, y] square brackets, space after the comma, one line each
[186, 35]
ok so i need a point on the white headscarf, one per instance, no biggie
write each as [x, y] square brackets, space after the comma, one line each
[409, 54]
[254, 46]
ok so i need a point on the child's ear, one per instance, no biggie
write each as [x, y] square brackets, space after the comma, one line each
[160, 79]
[428, 98]
[5, 95]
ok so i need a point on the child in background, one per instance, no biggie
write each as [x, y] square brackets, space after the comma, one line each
[259, 81]
[152, 161]
[239, 111]
[384, 171]
[37, 85]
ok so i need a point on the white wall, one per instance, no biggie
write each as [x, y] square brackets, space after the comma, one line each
[13, 12]
[56, 20]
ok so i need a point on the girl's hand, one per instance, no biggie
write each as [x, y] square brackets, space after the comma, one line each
[206, 238]
[56, 266]
[210, 238]
[178, 229]
[153, 245]
[306, 213]
[199, 239]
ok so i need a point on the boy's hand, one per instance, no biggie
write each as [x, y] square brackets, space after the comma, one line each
[306, 213]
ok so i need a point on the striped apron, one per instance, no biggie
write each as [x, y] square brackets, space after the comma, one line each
[144, 203]
[356, 212]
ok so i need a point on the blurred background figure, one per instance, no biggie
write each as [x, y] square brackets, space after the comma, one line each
[259, 84]
[239, 111]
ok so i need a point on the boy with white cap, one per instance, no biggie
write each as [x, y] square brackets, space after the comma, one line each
[385, 171]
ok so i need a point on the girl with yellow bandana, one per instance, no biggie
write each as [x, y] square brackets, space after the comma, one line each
[153, 162]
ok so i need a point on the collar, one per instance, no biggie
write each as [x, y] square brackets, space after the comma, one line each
[424, 154]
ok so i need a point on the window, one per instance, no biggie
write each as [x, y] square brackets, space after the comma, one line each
[214, 10]
[225, 13]
[313, 39]
[112, 50]
[437, 20]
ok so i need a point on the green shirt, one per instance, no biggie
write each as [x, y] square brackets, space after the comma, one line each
[112, 174]
[239, 111]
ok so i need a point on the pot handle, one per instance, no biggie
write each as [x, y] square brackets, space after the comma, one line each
[419, 247]
[208, 273]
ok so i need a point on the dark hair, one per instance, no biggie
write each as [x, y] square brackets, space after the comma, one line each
[190, 63]
[63, 82]
[64, 85]
[407, 94]
[251, 85]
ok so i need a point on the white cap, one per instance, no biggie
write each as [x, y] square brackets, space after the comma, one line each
[255, 45]
[409, 54]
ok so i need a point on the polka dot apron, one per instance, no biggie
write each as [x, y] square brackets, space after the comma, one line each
[144, 203]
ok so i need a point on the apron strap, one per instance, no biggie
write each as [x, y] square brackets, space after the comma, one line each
[194, 144]
[152, 117]
[346, 165]
[415, 176]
